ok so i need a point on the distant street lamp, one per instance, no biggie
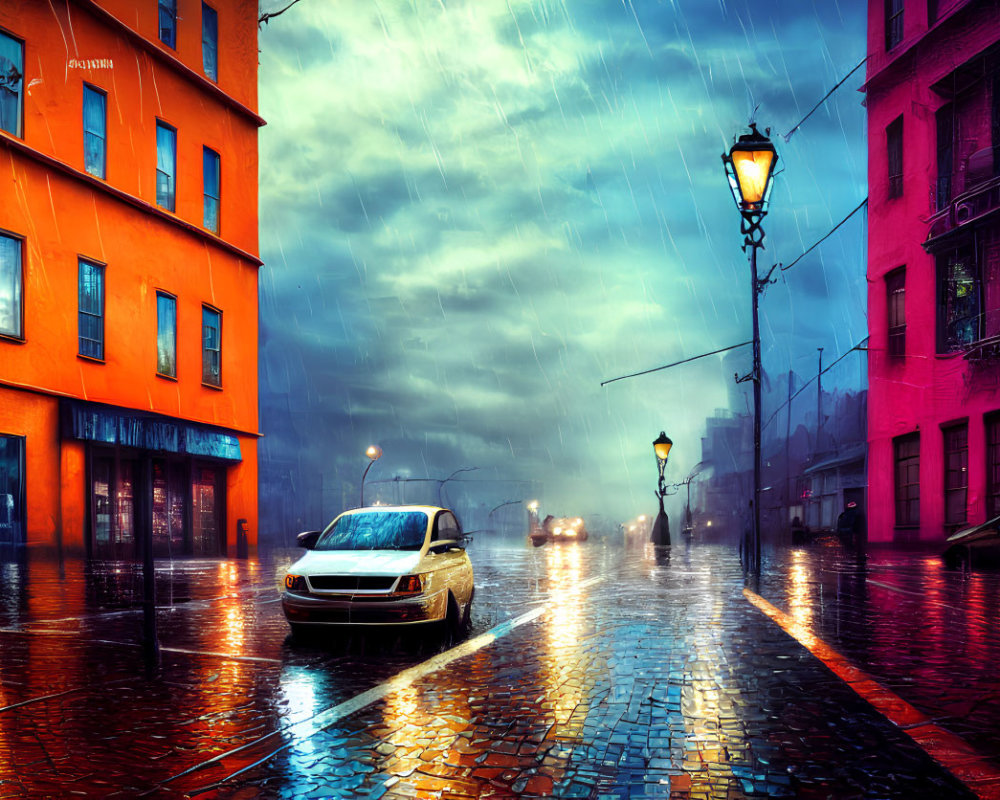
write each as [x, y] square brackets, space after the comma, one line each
[374, 452]
[749, 166]
[661, 527]
[532, 516]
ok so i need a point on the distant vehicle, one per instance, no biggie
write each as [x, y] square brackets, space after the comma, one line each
[565, 529]
[386, 565]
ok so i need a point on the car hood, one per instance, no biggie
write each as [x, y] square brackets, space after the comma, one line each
[357, 562]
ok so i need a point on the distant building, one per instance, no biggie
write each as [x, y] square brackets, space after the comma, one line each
[933, 100]
[128, 275]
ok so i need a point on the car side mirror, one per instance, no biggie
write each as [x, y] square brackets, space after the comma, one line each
[307, 539]
[444, 545]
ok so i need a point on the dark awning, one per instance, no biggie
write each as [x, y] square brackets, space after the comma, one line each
[145, 430]
[988, 529]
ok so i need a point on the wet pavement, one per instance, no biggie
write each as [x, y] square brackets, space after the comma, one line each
[590, 671]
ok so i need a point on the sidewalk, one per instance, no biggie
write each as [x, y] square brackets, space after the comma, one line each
[926, 635]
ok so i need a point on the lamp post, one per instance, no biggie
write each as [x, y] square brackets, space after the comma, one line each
[749, 166]
[374, 452]
[532, 516]
[661, 527]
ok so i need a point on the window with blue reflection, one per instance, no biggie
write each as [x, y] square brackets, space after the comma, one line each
[212, 181]
[91, 310]
[11, 283]
[168, 22]
[11, 83]
[376, 530]
[94, 131]
[210, 41]
[166, 165]
[166, 335]
[12, 507]
[211, 346]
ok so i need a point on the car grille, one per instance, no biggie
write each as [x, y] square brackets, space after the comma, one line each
[351, 583]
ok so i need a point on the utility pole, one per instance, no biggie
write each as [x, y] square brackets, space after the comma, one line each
[819, 398]
[788, 436]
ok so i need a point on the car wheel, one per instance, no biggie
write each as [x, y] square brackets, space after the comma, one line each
[453, 622]
[467, 614]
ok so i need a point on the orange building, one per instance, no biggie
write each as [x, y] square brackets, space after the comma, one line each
[128, 275]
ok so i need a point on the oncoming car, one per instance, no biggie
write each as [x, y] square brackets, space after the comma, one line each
[385, 565]
[565, 529]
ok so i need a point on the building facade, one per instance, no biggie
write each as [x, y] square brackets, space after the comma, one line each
[933, 100]
[128, 276]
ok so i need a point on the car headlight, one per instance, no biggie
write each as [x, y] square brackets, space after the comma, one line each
[295, 583]
[571, 532]
[556, 531]
[410, 585]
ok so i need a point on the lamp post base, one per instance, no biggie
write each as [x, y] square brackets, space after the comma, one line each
[661, 530]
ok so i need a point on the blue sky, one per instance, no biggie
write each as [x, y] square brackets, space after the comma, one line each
[472, 213]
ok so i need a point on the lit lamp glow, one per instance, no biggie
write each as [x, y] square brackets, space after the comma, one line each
[374, 452]
[661, 526]
[749, 167]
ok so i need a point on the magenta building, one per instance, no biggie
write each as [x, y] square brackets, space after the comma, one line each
[933, 100]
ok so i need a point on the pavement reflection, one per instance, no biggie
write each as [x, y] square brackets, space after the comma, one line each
[590, 671]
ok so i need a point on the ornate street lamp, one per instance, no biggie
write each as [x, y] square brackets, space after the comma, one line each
[374, 452]
[661, 527]
[749, 166]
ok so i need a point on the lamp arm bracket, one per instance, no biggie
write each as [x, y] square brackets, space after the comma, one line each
[763, 282]
[748, 377]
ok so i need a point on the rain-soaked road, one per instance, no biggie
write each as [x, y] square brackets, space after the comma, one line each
[591, 671]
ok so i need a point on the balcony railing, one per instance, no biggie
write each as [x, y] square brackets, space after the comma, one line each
[973, 204]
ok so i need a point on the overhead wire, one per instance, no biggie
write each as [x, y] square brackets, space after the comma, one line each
[806, 385]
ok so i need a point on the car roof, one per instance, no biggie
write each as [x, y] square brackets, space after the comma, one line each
[426, 509]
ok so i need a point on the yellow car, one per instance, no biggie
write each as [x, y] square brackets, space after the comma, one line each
[385, 565]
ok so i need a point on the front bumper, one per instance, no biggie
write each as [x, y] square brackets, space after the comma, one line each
[363, 609]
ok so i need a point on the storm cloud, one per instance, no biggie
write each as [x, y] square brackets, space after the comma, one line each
[474, 212]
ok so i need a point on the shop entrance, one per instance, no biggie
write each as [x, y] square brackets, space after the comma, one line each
[185, 499]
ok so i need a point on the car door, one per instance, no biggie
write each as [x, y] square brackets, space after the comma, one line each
[453, 564]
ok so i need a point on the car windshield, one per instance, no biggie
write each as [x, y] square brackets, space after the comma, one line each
[376, 530]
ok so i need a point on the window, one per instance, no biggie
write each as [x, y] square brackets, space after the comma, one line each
[210, 41]
[995, 124]
[956, 473]
[211, 346]
[945, 154]
[166, 165]
[94, 131]
[168, 22]
[211, 180]
[11, 283]
[895, 295]
[166, 335]
[893, 23]
[993, 465]
[12, 507]
[894, 156]
[958, 306]
[91, 313]
[907, 479]
[11, 83]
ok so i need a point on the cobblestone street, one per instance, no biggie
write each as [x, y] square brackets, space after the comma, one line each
[590, 671]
